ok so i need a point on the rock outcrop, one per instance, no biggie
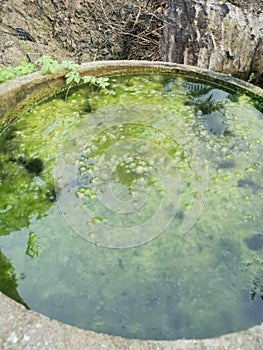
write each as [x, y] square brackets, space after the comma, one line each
[218, 35]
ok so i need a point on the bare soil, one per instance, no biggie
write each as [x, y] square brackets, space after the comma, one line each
[92, 30]
[80, 30]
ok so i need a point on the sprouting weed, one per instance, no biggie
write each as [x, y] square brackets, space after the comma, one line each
[48, 65]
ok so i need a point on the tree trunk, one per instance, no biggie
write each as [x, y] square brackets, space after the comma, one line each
[216, 35]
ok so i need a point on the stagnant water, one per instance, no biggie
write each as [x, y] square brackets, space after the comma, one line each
[136, 212]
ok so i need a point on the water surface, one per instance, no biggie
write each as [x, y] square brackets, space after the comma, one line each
[136, 212]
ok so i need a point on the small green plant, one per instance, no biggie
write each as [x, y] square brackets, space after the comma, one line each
[251, 77]
[102, 82]
[72, 77]
[89, 79]
[69, 65]
[25, 68]
[8, 73]
[48, 65]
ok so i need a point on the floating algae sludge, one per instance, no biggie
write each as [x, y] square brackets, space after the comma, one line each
[136, 212]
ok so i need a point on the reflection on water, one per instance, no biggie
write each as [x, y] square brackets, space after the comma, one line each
[8, 279]
[172, 170]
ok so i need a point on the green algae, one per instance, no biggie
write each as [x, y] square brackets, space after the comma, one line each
[194, 283]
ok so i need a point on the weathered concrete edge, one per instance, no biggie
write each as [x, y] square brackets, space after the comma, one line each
[24, 329]
[15, 95]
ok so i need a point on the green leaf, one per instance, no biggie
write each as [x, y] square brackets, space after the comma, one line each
[7, 73]
[48, 65]
[69, 65]
[25, 68]
[89, 79]
[72, 76]
[102, 82]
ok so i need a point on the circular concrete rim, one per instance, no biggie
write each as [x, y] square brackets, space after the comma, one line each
[16, 95]
[25, 329]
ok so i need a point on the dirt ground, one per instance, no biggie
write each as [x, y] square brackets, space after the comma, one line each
[92, 30]
[80, 30]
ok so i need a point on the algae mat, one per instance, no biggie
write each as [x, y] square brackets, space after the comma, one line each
[136, 211]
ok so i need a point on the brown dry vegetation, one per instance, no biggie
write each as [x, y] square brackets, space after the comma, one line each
[81, 30]
[88, 30]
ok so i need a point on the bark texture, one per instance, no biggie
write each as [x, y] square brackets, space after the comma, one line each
[216, 35]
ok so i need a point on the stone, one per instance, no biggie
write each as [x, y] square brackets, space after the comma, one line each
[219, 36]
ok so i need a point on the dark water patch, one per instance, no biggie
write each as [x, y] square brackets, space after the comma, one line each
[249, 184]
[256, 291]
[88, 109]
[34, 166]
[226, 164]
[209, 101]
[227, 252]
[120, 264]
[255, 242]
[253, 301]
[207, 106]
[246, 183]
[228, 133]
[214, 123]
[8, 280]
[51, 195]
